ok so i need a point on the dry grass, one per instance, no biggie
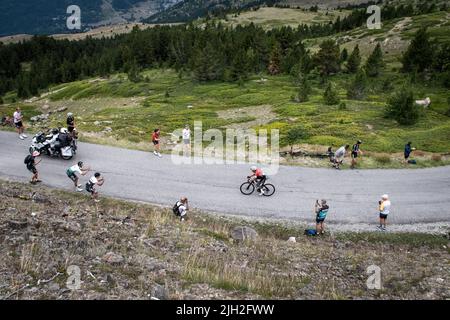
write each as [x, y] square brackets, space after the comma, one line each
[383, 158]
[231, 272]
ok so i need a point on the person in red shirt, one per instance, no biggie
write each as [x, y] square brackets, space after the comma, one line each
[155, 141]
[259, 176]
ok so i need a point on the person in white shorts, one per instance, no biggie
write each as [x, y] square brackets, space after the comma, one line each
[187, 140]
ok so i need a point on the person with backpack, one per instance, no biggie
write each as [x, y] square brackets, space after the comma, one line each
[355, 152]
[384, 208]
[98, 180]
[72, 174]
[155, 140]
[321, 210]
[180, 208]
[30, 162]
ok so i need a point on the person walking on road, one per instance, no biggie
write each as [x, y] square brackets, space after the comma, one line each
[72, 174]
[155, 140]
[31, 163]
[187, 140]
[355, 152]
[19, 124]
[384, 208]
[98, 180]
[321, 210]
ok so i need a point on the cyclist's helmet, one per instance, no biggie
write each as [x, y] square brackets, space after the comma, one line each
[253, 168]
[80, 164]
[70, 114]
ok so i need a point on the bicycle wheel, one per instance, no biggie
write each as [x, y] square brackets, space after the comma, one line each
[269, 189]
[247, 188]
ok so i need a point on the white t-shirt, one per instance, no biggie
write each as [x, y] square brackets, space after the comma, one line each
[386, 207]
[93, 180]
[17, 116]
[186, 134]
[75, 169]
[181, 209]
[340, 152]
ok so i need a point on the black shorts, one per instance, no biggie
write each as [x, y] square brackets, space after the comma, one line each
[90, 188]
[354, 155]
[72, 176]
[320, 220]
[32, 169]
[18, 124]
[383, 216]
[155, 142]
[70, 129]
[407, 156]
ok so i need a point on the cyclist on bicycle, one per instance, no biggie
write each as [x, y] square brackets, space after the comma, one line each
[259, 177]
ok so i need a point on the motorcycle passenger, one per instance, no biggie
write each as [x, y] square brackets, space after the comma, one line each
[259, 177]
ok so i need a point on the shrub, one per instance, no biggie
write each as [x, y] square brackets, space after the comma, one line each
[358, 87]
[436, 157]
[383, 158]
[342, 106]
[402, 108]
[294, 135]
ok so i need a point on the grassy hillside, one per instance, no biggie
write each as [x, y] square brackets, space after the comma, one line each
[126, 250]
[129, 110]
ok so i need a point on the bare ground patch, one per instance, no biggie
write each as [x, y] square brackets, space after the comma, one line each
[263, 114]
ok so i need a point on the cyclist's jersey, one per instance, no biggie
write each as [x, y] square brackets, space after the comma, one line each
[259, 173]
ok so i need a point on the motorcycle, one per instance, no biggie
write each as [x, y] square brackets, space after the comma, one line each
[56, 144]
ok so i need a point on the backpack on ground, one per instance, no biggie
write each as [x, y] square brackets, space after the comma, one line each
[310, 232]
[28, 159]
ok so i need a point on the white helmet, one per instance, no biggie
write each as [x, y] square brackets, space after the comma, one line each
[64, 130]
[70, 114]
[253, 168]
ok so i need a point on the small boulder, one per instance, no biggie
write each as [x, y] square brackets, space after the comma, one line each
[159, 292]
[17, 224]
[244, 233]
[292, 239]
[113, 258]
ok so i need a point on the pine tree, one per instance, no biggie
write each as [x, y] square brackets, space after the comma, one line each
[274, 63]
[344, 55]
[419, 55]
[330, 96]
[354, 60]
[402, 108]
[328, 58]
[206, 64]
[358, 87]
[375, 62]
[304, 89]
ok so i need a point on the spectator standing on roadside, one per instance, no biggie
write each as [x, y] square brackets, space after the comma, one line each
[384, 209]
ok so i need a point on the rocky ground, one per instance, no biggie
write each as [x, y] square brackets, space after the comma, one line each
[126, 250]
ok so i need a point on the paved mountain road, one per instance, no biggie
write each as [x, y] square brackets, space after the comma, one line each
[418, 195]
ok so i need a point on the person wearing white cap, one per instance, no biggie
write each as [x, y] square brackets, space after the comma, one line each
[384, 208]
[30, 162]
